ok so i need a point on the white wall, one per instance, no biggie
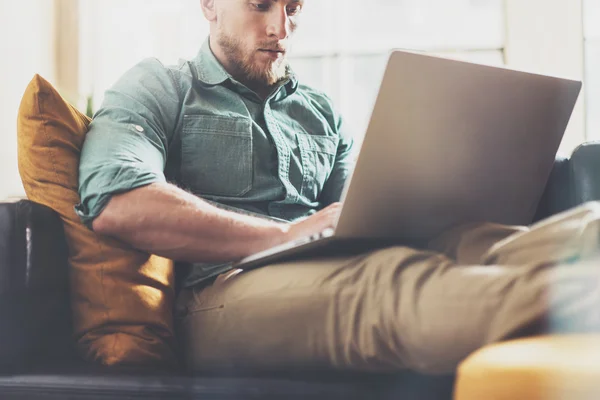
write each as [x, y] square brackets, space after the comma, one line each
[546, 36]
[26, 32]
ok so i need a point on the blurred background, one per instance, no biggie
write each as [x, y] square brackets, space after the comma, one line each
[83, 46]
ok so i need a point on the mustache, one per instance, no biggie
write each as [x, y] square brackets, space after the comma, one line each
[273, 47]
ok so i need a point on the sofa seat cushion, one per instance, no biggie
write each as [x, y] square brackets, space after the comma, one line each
[91, 383]
[541, 368]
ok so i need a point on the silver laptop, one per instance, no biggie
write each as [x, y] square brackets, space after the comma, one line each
[448, 142]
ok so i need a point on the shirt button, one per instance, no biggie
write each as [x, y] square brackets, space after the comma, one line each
[139, 128]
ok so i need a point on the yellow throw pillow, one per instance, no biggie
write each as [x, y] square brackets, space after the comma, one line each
[122, 299]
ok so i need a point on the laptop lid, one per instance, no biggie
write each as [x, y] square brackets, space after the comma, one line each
[450, 142]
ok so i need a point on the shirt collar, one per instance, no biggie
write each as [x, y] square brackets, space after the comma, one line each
[210, 71]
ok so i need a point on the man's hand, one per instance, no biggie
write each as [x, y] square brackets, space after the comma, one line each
[316, 223]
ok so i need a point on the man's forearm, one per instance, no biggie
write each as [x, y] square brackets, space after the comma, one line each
[165, 220]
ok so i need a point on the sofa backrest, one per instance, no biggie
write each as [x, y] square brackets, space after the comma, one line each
[585, 173]
[573, 181]
[35, 313]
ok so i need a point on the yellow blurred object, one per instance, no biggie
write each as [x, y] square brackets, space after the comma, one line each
[554, 367]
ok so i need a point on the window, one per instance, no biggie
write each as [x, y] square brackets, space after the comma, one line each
[592, 67]
[354, 39]
[340, 48]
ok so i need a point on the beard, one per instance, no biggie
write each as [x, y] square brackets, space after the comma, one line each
[248, 70]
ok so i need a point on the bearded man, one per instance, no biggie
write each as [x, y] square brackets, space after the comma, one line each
[228, 154]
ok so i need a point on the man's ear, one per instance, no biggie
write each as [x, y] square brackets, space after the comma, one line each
[209, 9]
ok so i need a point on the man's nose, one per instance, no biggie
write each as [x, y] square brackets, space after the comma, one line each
[278, 23]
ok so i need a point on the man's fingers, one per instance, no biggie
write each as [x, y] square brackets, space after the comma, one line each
[335, 207]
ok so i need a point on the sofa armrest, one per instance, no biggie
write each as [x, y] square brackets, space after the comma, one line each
[585, 173]
[34, 296]
[557, 196]
[573, 181]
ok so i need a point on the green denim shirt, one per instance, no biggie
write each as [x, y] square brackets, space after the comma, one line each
[195, 126]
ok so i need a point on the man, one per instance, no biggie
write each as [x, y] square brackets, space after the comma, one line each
[236, 129]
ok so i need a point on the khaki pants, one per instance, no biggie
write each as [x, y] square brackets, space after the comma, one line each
[400, 308]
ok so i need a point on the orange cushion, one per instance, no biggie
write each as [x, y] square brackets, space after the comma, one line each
[122, 298]
[561, 367]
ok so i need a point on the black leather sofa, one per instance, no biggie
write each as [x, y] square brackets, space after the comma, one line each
[37, 360]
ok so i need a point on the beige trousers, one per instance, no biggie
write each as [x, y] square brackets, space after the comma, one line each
[400, 308]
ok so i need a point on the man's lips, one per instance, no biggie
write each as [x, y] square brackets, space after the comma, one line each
[273, 50]
[273, 54]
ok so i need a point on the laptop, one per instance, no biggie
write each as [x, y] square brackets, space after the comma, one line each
[448, 142]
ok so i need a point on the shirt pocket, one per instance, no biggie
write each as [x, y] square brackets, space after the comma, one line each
[318, 154]
[216, 155]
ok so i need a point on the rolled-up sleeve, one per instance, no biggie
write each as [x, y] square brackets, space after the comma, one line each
[126, 146]
[342, 168]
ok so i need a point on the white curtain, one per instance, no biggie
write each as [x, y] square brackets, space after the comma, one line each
[26, 48]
